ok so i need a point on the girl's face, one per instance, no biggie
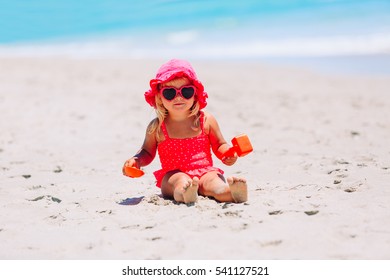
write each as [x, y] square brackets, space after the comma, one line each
[179, 103]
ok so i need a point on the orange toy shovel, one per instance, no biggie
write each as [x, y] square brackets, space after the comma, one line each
[133, 172]
[241, 145]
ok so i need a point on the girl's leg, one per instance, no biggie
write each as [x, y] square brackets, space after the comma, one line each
[213, 184]
[180, 187]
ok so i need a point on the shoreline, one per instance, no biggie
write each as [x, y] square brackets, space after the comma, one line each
[369, 65]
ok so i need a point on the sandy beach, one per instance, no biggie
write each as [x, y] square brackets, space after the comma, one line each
[319, 176]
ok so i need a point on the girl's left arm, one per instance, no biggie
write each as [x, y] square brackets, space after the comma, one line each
[218, 142]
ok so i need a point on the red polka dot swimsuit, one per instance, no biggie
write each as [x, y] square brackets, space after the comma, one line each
[189, 155]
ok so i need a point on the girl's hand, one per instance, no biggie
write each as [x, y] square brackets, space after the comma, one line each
[230, 160]
[132, 162]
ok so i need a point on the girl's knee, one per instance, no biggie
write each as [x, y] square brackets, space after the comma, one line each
[179, 179]
[212, 178]
[173, 180]
[213, 184]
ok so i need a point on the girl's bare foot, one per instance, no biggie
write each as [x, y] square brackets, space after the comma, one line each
[190, 193]
[238, 189]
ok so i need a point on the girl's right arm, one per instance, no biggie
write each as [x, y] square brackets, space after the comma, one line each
[147, 152]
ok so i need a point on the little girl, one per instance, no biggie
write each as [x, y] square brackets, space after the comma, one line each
[183, 135]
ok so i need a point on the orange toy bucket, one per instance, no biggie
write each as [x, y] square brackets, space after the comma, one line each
[133, 172]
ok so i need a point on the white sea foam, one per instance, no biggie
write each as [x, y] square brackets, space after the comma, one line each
[299, 46]
[191, 44]
[182, 37]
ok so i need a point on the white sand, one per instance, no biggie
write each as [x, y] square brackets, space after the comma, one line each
[319, 178]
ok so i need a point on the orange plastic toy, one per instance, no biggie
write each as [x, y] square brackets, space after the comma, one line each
[133, 172]
[241, 145]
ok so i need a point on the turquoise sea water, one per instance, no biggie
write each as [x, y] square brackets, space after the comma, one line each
[195, 29]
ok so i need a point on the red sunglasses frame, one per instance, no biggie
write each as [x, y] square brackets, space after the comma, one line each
[179, 91]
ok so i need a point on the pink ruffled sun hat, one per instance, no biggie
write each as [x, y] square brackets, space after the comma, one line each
[175, 68]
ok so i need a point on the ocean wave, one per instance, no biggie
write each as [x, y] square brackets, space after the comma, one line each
[304, 46]
[190, 44]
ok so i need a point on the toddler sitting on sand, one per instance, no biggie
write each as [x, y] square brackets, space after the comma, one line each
[183, 135]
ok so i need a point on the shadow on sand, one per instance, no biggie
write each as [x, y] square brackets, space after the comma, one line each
[131, 201]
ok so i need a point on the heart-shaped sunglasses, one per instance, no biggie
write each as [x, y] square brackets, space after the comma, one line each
[170, 93]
